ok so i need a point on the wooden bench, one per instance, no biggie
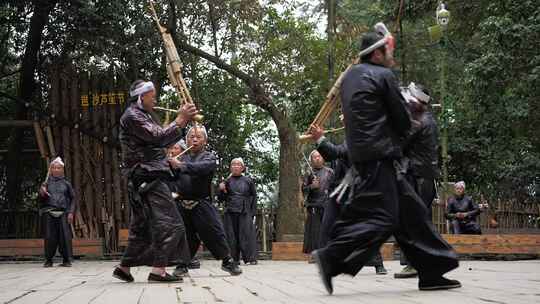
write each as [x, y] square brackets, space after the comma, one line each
[292, 251]
[467, 245]
[34, 247]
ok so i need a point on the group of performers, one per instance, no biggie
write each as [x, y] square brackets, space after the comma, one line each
[381, 184]
[171, 195]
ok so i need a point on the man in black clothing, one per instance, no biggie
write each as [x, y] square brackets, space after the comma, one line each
[239, 194]
[421, 150]
[156, 230]
[382, 202]
[315, 186]
[193, 174]
[57, 205]
[462, 212]
[175, 151]
[338, 156]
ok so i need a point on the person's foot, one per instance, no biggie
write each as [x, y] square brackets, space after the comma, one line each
[438, 283]
[180, 271]
[164, 278]
[65, 264]
[380, 270]
[194, 264]
[48, 264]
[407, 272]
[252, 262]
[122, 275]
[323, 273]
[231, 267]
[311, 260]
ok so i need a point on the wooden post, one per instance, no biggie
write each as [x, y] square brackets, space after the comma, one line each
[117, 189]
[97, 120]
[50, 140]
[88, 179]
[64, 113]
[108, 219]
[76, 146]
[263, 224]
[54, 102]
[40, 138]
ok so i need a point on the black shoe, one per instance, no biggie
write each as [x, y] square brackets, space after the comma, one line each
[65, 264]
[380, 270]
[48, 264]
[325, 277]
[194, 264]
[167, 278]
[252, 262]
[122, 275]
[180, 271]
[231, 267]
[438, 283]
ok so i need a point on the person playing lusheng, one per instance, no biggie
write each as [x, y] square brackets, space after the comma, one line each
[193, 173]
[240, 197]
[57, 204]
[462, 212]
[382, 202]
[421, 149]
[315, 187]
[338, 155]
[156, 230]
[174, 151]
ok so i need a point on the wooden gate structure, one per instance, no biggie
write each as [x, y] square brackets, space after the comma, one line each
[82, 128]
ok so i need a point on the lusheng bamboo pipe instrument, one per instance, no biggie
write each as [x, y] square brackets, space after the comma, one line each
[174, 65]
[330, 104]
[182, 153]
[165, 110]
[334, 130]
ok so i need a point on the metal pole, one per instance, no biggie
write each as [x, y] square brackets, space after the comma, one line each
[444, 120]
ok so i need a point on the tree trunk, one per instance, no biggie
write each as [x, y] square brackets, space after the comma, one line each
[26, 93]
[290, 219]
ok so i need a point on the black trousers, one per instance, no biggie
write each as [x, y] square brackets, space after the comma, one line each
[425, 188]
[57, 237]
[383, 204]
[312, 229]
[156, 229]
[465, 227]
[240, 233]
[204, 223]
[330, 216]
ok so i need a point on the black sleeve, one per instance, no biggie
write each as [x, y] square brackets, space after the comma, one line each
[150, 132]
[72, 198]
[450, 214]
[222, 196]
[253, 193]
[308, 179]
[399, 114]
[475, 210]
[331, 152]
[204, 166]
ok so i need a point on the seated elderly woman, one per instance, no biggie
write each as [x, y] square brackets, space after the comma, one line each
[462, 212]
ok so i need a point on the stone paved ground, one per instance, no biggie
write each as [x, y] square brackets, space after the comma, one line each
[270, 281]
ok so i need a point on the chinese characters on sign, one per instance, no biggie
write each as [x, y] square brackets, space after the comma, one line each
[103, 99]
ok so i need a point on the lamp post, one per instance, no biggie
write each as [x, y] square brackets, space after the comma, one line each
[443, 18]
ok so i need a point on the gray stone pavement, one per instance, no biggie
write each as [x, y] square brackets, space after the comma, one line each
[270, 281]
